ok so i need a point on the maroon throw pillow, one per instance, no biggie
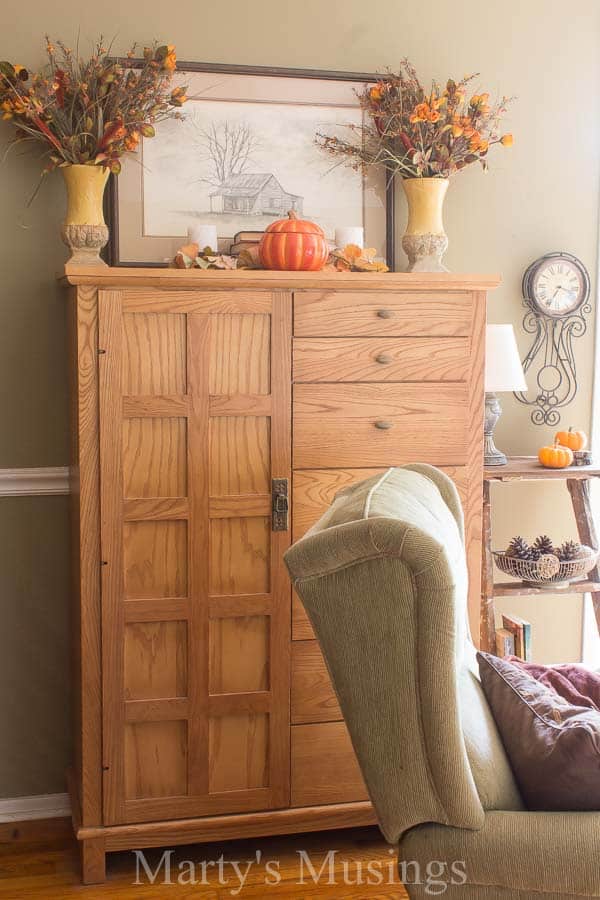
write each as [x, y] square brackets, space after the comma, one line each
[553, 746]
[575, 683]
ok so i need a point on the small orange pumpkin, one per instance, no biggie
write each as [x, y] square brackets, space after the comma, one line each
[294, 245]
[555, 456]
[574, 440]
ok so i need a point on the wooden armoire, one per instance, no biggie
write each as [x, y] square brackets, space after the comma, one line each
[214, 416]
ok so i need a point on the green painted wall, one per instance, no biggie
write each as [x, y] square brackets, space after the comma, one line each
[34, 645]
[540, 196]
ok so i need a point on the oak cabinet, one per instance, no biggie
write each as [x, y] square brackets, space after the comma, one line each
[200, 399]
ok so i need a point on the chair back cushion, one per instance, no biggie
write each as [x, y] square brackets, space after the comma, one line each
[383, 578]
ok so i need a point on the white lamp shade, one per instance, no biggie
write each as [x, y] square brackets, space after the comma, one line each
[503, 369]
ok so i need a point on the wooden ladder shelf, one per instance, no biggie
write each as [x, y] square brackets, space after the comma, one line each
[527, 468]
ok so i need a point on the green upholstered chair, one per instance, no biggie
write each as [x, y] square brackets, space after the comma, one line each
[383, 578]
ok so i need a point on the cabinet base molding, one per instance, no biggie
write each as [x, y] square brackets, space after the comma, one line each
[230, 827]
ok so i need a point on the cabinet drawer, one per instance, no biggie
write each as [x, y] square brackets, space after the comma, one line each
[383, 313]
[379, 425]
[324, 767]
[314, 490]
[381, 359]
[312, 698]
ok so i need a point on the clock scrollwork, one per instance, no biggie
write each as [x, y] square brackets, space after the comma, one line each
[556, 296]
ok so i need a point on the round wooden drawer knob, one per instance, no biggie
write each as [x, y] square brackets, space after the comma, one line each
[385, 313]
[384, 359]
[384, 426]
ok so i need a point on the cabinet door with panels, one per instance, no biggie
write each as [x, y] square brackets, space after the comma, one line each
[194, 427]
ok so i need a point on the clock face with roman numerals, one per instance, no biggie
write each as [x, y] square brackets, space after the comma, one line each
[557, 285]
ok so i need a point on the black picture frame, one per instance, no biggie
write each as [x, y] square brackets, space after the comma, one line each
[112, 193]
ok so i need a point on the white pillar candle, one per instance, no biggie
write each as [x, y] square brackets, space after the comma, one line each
[351, 234]
[204, 236]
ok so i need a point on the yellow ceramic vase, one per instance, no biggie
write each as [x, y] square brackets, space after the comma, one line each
[84, 230]
[425, 240]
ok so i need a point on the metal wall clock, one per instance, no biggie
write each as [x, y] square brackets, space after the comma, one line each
[556, 290]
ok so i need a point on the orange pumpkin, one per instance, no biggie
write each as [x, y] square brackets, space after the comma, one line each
[556, 456]
[293, 245]
[574, 440]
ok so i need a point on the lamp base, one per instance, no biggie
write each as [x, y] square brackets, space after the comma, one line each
[491, 455]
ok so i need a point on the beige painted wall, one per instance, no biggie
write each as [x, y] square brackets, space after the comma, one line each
[540, 196]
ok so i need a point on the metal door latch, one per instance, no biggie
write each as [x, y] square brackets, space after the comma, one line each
[279, 504]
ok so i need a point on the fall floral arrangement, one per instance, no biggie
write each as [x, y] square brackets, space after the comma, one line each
[419, 133]
[351, 258]
[90, 111]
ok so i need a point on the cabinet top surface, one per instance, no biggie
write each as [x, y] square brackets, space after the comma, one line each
[194, 279]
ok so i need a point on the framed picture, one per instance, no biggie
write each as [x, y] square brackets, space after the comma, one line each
[243, 156]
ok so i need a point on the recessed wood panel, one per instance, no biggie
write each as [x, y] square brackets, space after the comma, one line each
[239, 654]
[381, 359]
[312, 698]
[324, 767]
[240, 555]
[386, 313]
[154, 353]
[239, 455]
[155, 559]
[240, 354]
[155, 660]
[380, 424]
[155, 759]
[238, 752]
[154, 457]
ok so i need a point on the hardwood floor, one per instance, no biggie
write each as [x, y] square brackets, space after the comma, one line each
[40, 860]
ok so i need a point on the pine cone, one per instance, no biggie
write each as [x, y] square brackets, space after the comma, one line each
[569, 550]
[534, 554]
[544, 544]
[519, 548]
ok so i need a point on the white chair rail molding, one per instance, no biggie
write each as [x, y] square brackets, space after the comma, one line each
[33, 481]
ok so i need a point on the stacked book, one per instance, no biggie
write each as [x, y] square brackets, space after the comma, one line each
[514, 638]
[245, 240]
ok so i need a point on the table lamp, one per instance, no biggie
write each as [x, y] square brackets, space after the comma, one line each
[503, 372]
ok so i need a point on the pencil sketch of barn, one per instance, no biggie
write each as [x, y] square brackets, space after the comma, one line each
[248, 194]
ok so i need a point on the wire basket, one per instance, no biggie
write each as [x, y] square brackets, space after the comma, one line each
[548, 569]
